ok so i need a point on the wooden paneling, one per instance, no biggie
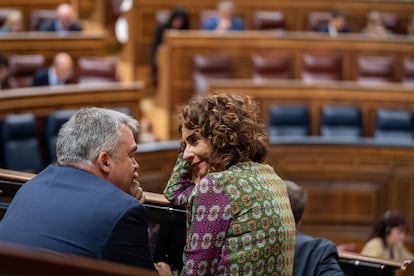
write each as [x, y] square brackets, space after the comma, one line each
[42, 100]
[77, 44]
[142, 16]
[176, 64]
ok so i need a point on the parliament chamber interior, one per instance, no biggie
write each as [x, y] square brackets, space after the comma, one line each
[339, 109]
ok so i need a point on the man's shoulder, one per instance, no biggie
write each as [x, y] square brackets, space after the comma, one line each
[316, 243]
[48, 25]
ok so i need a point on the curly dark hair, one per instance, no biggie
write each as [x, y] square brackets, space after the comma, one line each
[232, 125]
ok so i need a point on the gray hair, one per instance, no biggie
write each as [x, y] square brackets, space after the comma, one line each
[297, 198]
[225, 5]
[89, 132]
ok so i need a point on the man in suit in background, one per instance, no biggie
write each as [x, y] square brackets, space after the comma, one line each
[337, 24]
[59, 73]
[313, 256]
[226, 21]
[64, 21]
[88, 203]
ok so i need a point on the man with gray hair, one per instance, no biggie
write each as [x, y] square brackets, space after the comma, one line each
[88, 203]
[225, 19]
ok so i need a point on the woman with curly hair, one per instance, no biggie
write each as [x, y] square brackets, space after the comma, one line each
[239, 219]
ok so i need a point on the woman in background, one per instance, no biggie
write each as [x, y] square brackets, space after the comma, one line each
[13, 22]
[178, 20]
[239, 220]
[387, 237]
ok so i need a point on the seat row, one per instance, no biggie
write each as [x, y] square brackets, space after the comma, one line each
[340, 121]
[89, 69]
[275, 20]
[21, 148]
[315, 67]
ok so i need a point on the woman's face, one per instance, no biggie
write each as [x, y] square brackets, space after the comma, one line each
[396, 236]
[197, 151]
[177, 23]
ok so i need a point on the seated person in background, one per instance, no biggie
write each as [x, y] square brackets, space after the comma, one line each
[337, 24]
[387, 237]
[313, 256]
[59, 73]
[178, 20]
[226, 21]
[88, 203]
[13, 23]
[4, 71]
[64, 21]
[375, 26]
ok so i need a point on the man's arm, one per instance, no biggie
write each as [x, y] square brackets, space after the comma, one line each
[128, 242]
[328, 262]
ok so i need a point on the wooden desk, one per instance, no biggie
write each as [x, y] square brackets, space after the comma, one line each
[48, 44]
[142, 17]
[368, 98]
[42, 100]
[176, 64]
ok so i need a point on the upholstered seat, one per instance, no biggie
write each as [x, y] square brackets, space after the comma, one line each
[96, 69]
[271, 66]
[20, 144]
[316, 19]
[22, 69]
[288, 120]
[54, 121]
[394, 124]
[337, 120]
[208, 67]
[408, 71]
[375, 69]
[321, 67]
[268, 20]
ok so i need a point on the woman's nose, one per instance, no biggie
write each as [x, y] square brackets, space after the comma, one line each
[188, 152]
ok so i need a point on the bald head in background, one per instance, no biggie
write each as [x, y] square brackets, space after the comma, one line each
[63, 66]
[65, 21]
[59, 73]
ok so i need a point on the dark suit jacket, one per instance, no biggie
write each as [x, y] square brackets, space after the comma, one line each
[50, 26]
[237, 24]
[41, 78]
[325, 29]
[315, 256]
[67, 210]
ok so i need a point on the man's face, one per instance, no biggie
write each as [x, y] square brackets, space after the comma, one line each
[124, 172]
[64, 71]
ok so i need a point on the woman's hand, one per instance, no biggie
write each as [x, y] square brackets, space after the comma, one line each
[163, 269]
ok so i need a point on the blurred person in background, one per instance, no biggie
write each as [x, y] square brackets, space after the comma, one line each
[59, 73]
[64, 21]
[225, 21]
[387, 238]
[13, 22]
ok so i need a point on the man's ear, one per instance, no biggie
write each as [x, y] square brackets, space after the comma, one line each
[104, 161]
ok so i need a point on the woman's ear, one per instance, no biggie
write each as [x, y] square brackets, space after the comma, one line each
[104, 161]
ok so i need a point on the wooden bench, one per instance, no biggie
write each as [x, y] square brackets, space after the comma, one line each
[354, 264]
[143, 17]
[176, 86]
[21, 260]
[314, 96]
[77, 44]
